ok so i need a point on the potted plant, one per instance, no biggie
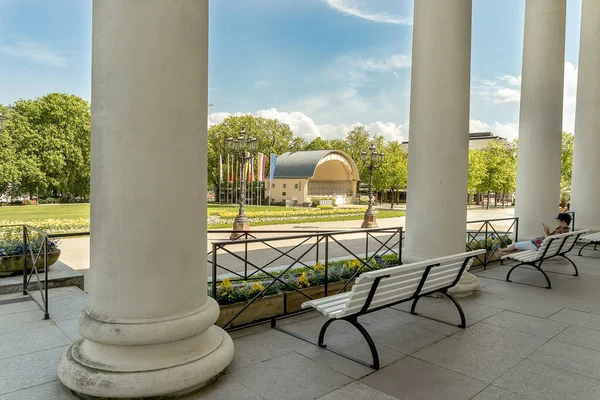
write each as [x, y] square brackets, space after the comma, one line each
[11, 254]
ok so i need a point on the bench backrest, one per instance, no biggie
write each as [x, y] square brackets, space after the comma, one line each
[559, 244]
[407, 281]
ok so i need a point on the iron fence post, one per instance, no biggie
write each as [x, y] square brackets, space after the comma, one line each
[246, 259]
[367, 246]
[214, 271]
[24, 260]
[326, 263]
[401, 239]
[517, 229]
[485, 256]
[46, 310]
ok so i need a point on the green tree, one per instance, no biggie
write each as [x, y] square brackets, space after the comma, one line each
[499, 169]
[318, 144]
[566, 169]
[393, 173]
[51, 138]
[274, 137]
[9, 172]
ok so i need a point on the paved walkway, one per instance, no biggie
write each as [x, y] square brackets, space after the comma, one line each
[522, 343]
[76, 252]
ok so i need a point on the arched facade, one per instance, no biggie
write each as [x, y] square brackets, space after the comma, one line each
[302, 175]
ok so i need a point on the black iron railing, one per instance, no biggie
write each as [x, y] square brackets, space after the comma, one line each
[272, 261]
[485, 233]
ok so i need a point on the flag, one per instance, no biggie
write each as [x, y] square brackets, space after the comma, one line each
[272, 167]
[220, 168]
[261, 167]
[249, 169]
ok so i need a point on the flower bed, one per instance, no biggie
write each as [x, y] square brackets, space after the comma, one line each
[55, 225]
[226, 216]
[11, 250]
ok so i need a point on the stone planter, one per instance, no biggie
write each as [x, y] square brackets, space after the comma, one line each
[10, 265]
[274, 306]
[490, 257]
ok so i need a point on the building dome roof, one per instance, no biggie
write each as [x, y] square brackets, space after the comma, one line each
[303, 164]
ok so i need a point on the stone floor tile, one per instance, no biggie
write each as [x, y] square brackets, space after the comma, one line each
[580, 318]
[13, 308]
[29, 370]
[402, 337]
[54, 390]
[224, 388]
[498, 338]
[482, 363]
[66, 307]
[69, 327]
[569, 357]
[356, 346]
[26, 320]
[23, 342]
[310, 328]
[535, 308]
[496, 393]
[269, 344]
[241, 360]
[290, 376]
[528, 324]
[357, 390]
[580, 336]
[414, 379]
[538, 381]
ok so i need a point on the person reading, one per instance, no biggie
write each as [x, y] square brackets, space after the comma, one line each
[563, 221]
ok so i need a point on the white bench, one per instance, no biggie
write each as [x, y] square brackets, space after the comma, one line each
[593, 239]
[376, 290]
[552, 246]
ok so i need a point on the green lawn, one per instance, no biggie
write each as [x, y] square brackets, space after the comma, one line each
[49, 211]
[71, 211]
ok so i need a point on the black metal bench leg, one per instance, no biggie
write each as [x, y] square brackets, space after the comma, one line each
[463, 320]
[539, 268]
[322, 332]
[369, 340]
[511, 270]
[572, 263]
[584, 246]
[414, 306]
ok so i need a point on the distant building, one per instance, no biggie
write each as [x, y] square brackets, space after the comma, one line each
[302, 175]
[477, 140]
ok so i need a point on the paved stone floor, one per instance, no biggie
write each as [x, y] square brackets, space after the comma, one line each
[522, 343]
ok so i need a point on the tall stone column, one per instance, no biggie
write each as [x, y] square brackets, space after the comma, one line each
[585, 188]
[149, 328]
[439, 129]
[540, 123]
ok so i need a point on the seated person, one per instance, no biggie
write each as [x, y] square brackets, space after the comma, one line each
[563, 220]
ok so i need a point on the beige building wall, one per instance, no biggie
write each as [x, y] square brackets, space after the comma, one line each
[288, 189]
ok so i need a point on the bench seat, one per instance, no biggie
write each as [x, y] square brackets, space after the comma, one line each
[593, 239]
[375, 290]
[552, 246]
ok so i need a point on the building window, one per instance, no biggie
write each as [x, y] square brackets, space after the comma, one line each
[284, 185]
[296, 186]
[273, 186]
[283, 194]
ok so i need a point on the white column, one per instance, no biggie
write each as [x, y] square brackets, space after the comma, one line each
[439, 129]
[540, 124]
[585, 188]
[149, 327]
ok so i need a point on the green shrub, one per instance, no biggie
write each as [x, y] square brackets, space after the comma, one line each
[325, 207]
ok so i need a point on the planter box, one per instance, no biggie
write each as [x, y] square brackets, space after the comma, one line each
[274, 306]
[491, 257]
[14, 264]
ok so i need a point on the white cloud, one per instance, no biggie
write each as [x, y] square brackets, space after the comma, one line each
[33, 51]
[359, 9]
[508, 131]
[476, 125]
[397, 61]
[570, 97]
[511, 80]
[507, 95]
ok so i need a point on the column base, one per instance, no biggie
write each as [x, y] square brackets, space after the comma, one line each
[369, 220]
[163, 359]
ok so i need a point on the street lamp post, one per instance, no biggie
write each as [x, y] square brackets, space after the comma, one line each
[374, 159]
[244, 148]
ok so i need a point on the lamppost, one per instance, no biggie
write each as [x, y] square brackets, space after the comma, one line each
[244, 148]
[3, 119]
[374, 159]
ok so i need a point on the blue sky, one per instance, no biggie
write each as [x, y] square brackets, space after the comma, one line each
[319, 65]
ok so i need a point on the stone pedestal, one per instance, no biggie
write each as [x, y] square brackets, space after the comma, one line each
[149, 328]
[439, 121]
[585, 189]
[540, 122]
[369, 219]
[240, 224]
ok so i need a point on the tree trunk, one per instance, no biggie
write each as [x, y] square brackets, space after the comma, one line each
[393, 198]
[503, 199]
[488, 200]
